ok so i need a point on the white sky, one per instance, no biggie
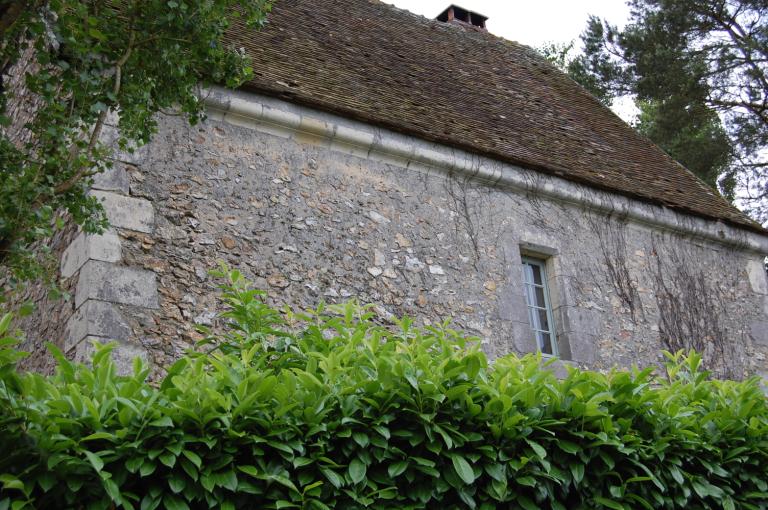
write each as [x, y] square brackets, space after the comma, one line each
[531, 22]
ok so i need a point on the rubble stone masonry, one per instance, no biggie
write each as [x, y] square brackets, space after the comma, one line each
[314, 207]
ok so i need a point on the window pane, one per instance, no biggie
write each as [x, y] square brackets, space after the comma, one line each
[533, 318]
[536, 274]
[530, 299]
[527, 273]
[543, 323]
[539, 311]
[545, 342]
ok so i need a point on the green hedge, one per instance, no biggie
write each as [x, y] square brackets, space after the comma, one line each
[327, 409]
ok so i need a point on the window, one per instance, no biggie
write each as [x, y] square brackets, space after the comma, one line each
[539, 304]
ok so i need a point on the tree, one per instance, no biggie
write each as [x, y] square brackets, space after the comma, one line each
[698, 71]
[691, 133]
[562, 55]
[92, 61]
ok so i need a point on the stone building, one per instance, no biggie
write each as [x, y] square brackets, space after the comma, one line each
[435, 170]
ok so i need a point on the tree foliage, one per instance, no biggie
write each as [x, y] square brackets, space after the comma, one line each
[98, 62]
[328, 409]
[564, 57]
[698, 69]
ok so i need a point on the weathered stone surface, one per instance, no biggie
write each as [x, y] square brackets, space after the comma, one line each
[518, 338]
[206, 318]
[757, 276]
[579, 321]
[759, 332]
[113, 179]
[127, 212]
[378, 217]
[104, 247]
[22, 104]
[123, 353]
[278, 280]
[49, 320]
[96, 318]
[389, 273]
[302, 221]
[581, 347]
[133, 155]
[309, 224]
[402, 241]
[413, 264]
[116, 284]
[228, 242]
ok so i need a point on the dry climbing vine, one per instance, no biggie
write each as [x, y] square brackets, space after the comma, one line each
[690, 309]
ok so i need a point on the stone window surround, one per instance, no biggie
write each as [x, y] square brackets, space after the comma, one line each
[543, 247]
[544, 264]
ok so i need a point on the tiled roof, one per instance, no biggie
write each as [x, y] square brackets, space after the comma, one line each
[470, 89]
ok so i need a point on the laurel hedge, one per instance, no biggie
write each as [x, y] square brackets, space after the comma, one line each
[329, 409]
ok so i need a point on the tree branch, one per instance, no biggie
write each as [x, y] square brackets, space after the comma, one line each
[96, 133]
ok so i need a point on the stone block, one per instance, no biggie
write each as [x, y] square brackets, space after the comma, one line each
[763, 375]
[512, 306]
[757, 276]
[560, 367]
[524, 340]
[355, 142]
[133, 155]
[104, 247]
[123, 353]
[127, 212]
[758, 330]
[235, 119]
[579, 320]
[113, 179]
[577, 330]
[582, 346]
[561, 290]
[539, 244]
[116, 284]
[95, 318]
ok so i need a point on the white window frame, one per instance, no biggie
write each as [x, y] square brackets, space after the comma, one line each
[529, 292]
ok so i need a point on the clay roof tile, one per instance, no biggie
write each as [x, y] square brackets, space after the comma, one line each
[372, 62]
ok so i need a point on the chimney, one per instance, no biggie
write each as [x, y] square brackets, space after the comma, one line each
[462, 17]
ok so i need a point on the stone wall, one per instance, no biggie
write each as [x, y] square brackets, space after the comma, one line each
[100, 285]
[22, 104]
[310, 217]
[48, 322]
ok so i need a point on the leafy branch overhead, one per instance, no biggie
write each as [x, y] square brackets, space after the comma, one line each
[698, 70]
[328, 409]
[88, 64]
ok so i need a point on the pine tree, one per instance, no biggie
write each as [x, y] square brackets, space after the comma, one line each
[698, 70]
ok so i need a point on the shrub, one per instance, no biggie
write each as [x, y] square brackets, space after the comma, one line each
[327, 409]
